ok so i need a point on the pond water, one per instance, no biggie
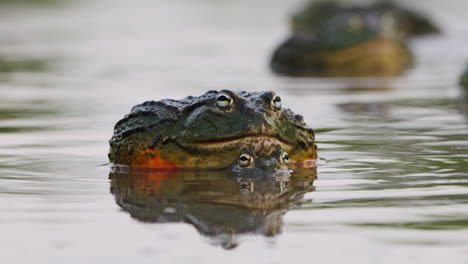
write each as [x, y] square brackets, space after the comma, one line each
[392, 179]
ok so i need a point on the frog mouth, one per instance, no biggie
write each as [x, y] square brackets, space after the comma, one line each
[257, 143]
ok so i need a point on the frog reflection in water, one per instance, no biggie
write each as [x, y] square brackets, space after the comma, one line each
[221, 205]
[208, 131]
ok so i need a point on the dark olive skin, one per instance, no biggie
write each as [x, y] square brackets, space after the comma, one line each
[209, 131]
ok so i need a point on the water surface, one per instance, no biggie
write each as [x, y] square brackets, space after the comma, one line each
[392, 177]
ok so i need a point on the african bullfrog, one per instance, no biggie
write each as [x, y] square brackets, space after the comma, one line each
[408, 22]
[354, 42]
[210, 131]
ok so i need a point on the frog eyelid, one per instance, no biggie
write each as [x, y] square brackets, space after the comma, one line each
[245, 159]
[224, 100]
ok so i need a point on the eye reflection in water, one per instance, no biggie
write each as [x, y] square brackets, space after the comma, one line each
[219, 204]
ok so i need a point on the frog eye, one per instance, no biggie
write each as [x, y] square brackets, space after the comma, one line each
[284, 158]
[245, 159]
[276, 102]
[223, 100]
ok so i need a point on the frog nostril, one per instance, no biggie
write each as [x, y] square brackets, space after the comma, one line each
[249, 111]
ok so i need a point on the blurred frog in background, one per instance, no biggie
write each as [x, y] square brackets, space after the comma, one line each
[464, 80]
[408, 23]
[330, 39]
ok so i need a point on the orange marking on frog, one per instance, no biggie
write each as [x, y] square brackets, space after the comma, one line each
[152, 159]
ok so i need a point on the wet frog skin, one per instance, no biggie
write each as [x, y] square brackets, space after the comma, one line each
[209, 131]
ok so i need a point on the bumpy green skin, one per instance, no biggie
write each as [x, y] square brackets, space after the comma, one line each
[464, 80]
[316, 14]
[195, 133]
